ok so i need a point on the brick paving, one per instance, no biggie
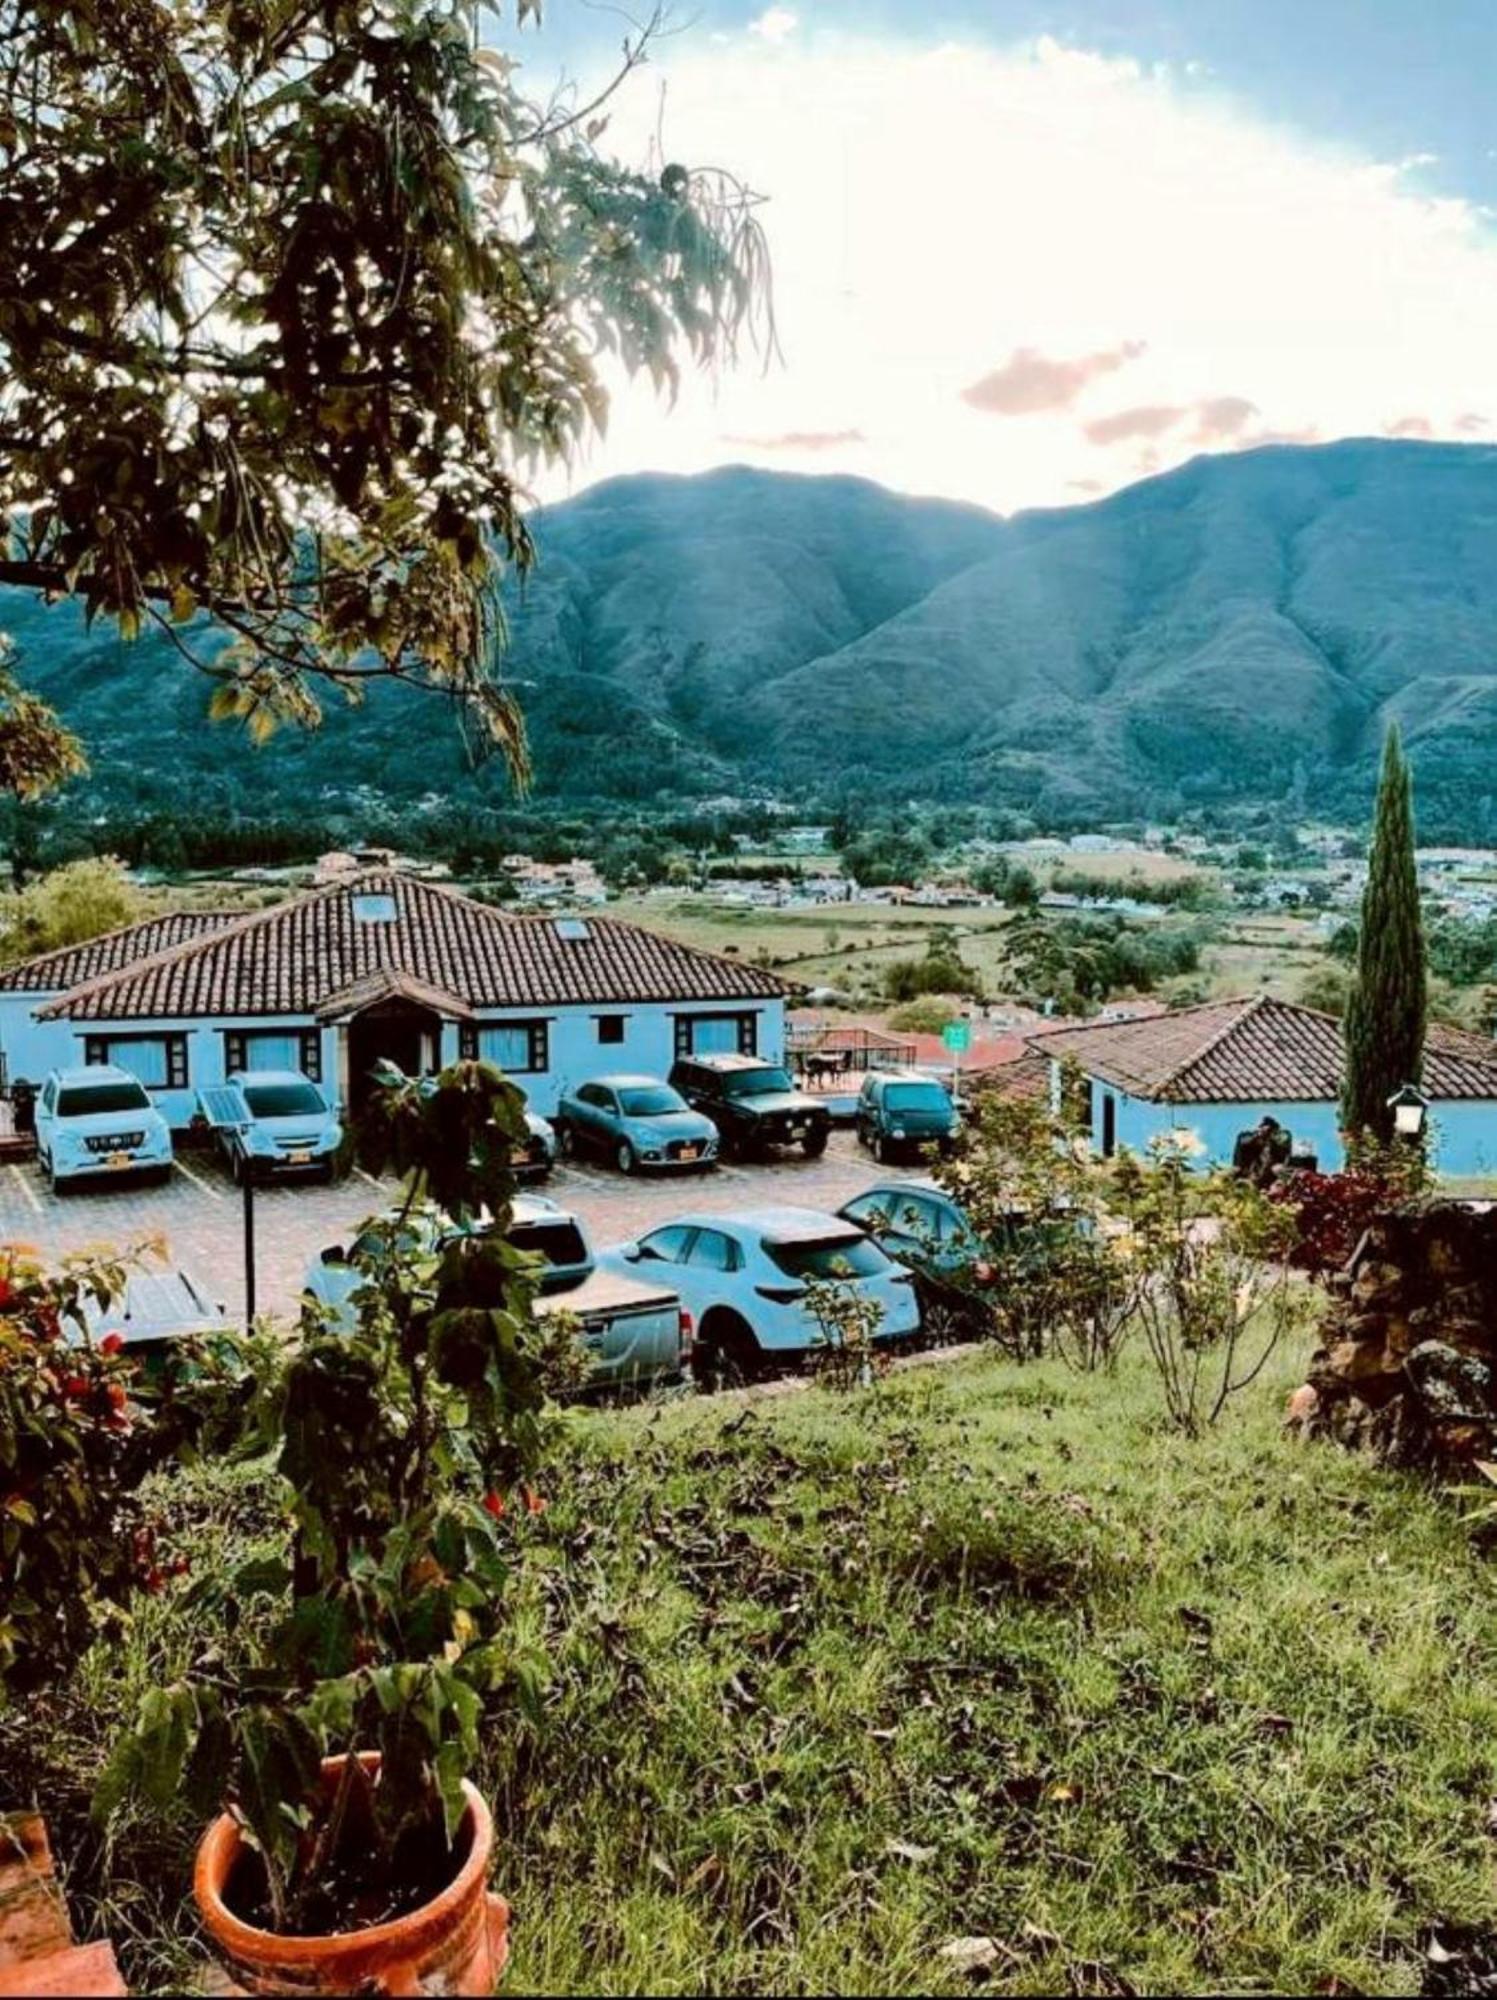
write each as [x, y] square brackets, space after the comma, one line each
[199, 1212]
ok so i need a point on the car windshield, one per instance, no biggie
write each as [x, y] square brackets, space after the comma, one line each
[829, 1257]
[916, 1097]
[86, 1100]
[652, 1103]
[282, 1100]
[755, 1082]
[558, 1240]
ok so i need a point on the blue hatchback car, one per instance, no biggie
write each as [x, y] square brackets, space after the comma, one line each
[636, 1121]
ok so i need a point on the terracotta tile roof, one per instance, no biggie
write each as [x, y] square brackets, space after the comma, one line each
[1252, 1050]
[57, 971]
[300, 955]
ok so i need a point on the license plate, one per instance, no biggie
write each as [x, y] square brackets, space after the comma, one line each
[116, 1160]
[300, 1159]
[797, 1131]
[688, 1152]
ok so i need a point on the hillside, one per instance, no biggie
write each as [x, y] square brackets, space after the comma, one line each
[1239, 629]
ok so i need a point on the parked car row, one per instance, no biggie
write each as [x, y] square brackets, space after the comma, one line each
[269, 1124]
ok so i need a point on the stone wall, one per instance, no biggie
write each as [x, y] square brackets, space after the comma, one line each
[1408, 1361]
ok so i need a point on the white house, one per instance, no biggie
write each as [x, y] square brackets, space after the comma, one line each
[1218, 1068]
[384, 965]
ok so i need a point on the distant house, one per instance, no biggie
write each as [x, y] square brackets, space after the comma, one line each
[384, 965]
[1218, 1068]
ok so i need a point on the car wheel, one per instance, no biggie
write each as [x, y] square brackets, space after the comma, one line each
[726, 1355]
[877, 1148]
[624, 1158]
[566, 1141]
[815, 1144]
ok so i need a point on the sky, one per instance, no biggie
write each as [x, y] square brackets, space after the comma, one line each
[1025, 255]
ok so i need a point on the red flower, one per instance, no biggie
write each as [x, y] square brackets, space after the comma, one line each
[117, 1396]
[111, 1343]
[534, 1503]
[493, 1503]
[7, 1293]
[75, 1385]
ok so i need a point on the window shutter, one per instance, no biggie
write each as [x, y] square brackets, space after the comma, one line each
[176, 1062]
[539, 1050]
[683, 1036]
[311, 1054]
[748, 1044]
[236, 1053]
[467, 1041]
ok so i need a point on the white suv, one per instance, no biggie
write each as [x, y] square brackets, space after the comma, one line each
[99, 1120]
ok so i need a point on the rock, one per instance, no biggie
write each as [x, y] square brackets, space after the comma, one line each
[1302, 1407]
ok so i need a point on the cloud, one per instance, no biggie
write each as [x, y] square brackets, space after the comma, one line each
[1030, 382]
[1409, 427]
[1304, 277]
[797, 440]
[1469, 424]
[1222, 417]
[1147, 420]
[775, 24]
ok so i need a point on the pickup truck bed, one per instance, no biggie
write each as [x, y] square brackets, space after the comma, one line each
[630, 1328]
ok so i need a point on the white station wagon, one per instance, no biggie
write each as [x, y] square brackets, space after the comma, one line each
[743, 1278]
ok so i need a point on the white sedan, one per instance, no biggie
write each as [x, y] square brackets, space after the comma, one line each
[743, 1278]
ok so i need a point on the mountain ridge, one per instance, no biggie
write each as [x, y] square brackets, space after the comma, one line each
[1241, 628]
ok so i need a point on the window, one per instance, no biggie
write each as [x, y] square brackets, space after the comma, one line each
[832, 1257]
[88, 1100]
[667, 1246]
[717, 1035]
[369, 909]
[713, 1251]
[595, 1095]
[520, 1047]
[159, 1061]
[273, 1048]
[284, 1100]
[611, 1028]
[656, 1100]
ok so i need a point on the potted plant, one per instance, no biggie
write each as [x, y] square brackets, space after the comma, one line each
[351, 1851]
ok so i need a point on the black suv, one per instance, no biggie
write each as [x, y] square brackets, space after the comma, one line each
[753, 1104]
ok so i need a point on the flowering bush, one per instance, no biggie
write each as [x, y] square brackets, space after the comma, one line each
[407, 1448]
[1330, 1211]
[75, 1445]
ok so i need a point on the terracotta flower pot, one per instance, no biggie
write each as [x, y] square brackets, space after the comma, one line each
[456, 1943]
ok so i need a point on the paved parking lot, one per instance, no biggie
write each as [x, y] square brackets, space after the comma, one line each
[199, 1212]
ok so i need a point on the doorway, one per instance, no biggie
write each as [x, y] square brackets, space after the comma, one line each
[395, 1031]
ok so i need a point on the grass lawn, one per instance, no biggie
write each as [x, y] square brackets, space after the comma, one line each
[987, 1650]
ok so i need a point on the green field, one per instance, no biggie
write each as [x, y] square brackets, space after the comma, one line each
[987, 1651]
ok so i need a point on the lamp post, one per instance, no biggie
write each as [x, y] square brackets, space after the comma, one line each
[1410, 1108]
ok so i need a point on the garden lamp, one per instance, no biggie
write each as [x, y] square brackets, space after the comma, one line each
[1410, 1108]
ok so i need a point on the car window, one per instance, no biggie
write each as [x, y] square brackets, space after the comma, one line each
[916, 1097]
[829, 1257]
[713, 1251]
[669, 1245]
[48, 1094]
[913, 1217]
[84, 1100]
[556, 1238]
[864, 1208]
[756, 1082]
[283, 1100]
[657, 1100]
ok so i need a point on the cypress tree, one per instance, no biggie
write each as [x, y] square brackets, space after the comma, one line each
[1385, 1010]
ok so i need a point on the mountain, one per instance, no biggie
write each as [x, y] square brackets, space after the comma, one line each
[1242, 628]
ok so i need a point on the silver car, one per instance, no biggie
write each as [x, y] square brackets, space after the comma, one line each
[636, 1121]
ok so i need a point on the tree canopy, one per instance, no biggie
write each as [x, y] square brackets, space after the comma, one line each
[294, 296]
